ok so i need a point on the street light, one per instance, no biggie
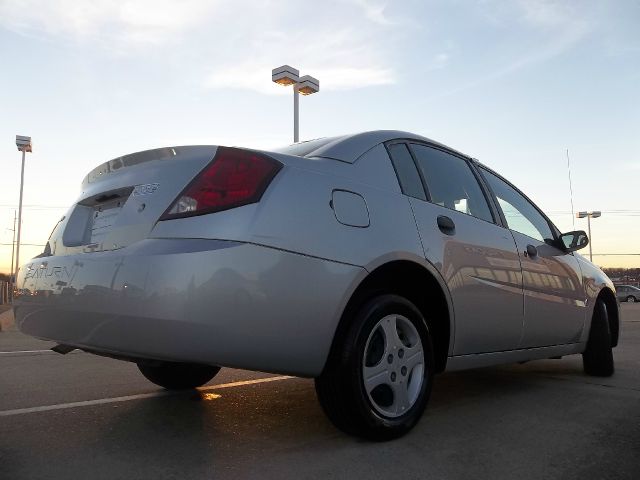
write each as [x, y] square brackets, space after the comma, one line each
[24, 145]
[306, 85]
[589, 215]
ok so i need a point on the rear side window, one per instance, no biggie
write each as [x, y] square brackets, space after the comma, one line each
[451, 183]
[406, 170]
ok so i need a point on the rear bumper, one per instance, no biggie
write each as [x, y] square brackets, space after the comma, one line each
[206, 301]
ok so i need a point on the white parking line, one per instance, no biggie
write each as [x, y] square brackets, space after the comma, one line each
[33, 352]
[245, 382]
[102, 401]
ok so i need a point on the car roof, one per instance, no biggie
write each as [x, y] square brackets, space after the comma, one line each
[348, 148]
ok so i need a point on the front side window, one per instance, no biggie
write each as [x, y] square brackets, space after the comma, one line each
[520, 214]
[451, 183]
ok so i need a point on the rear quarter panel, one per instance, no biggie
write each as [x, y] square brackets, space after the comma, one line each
[295, 213]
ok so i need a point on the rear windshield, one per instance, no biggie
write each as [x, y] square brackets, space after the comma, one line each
[302, 149]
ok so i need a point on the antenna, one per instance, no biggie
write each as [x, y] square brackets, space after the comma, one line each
[573, 215]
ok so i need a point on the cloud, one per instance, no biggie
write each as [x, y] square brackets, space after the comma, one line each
[134, 21]
[556, 26]
[342, 78]
[555, 15]
[374, 11]
[440, 61]
[250, 76]
[344, 44]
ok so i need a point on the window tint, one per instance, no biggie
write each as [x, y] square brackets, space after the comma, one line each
[451, 183]
[520, 214]
[406, 170]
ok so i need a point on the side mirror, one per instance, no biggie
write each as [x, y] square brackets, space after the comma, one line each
[572, 241]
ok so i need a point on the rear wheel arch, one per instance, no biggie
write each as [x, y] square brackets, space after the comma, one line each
[410, 280]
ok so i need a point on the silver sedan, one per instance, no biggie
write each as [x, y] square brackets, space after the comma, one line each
[628, 293]
[370, 262]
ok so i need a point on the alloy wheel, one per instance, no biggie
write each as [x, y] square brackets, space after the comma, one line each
[393, 366]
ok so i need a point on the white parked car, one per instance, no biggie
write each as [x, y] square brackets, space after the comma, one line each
[628, 293]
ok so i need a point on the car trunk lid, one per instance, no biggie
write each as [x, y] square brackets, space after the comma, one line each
[123, 198]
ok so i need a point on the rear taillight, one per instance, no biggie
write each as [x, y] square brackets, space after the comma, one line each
[234, 177]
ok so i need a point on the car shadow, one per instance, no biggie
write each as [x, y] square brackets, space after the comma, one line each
[277, 429]
[234, 431]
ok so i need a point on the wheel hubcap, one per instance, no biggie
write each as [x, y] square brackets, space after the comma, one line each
[393, 366]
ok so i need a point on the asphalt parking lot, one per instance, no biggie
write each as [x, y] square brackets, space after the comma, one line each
[82, 416]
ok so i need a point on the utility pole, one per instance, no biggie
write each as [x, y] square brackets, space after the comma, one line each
[296, 114]
[13, 248]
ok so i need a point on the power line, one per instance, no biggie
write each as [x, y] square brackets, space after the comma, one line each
[27, 244]
[573, 217]
[7, 205]
[616, 212]
[609, 214]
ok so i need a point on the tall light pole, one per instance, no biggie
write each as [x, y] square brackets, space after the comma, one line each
[13, 252]
[589, 215]
[24, 145]
[306, 85]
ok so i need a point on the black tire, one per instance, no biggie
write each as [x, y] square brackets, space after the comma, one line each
[631, 299]
[341, 390]
[178, 376]
[597, 359]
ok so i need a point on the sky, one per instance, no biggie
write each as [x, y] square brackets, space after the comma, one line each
[515, 84]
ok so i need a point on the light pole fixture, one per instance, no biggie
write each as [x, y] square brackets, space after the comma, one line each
[24, 145]
[306, 85]
[589, 216]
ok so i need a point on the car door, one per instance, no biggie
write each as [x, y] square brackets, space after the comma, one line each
[477, 258]
[620, 293]
[554, 298]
